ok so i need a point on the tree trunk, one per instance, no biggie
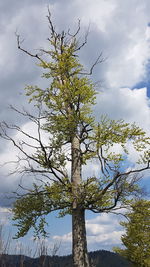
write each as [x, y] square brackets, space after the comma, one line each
[79, 247]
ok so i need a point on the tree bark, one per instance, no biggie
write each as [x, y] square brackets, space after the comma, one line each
[80, 254]
[79, 247]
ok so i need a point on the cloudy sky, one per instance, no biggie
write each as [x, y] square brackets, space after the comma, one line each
[118, 29]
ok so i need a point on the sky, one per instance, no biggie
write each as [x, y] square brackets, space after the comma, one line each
[118, 29]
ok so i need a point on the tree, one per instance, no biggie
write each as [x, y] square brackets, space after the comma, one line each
[137, 236]
[75, 138]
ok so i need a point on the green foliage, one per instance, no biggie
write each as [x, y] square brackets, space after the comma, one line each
[30, 210]
[69, 97]
[110, 132]
[137, 237]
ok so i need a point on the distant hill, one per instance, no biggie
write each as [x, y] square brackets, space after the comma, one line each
[100, 258]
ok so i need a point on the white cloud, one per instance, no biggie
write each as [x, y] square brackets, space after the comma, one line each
[120, 30]
[65, 238]
[125, 103]
[128, 65]
[100, 13]
[105, 239]
[102, 231]
[4, 210]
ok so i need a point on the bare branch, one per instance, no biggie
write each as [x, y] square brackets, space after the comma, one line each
[47, 151]
[97, 61]
[26, 51]
[138, 170]
[51, 26]
[77, 31]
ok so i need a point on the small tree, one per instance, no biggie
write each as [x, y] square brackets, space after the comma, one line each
[137, 236]
[65, 114]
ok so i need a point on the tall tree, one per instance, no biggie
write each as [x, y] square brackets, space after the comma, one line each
[137, 234]
[75, 138]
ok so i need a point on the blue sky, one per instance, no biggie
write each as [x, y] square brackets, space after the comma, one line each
[119, 29]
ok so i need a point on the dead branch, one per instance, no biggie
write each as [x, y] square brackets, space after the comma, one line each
[26, 51]
[97, 61]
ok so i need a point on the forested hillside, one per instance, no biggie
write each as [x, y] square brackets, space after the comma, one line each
[100, 258]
